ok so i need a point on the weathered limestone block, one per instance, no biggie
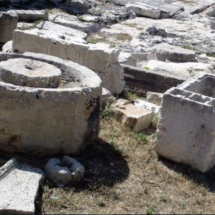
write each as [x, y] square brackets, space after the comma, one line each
[98, 57]
[8, 23]
[30, 15]
[127, 58]
[31, 73]
[19, 184]
[185, 133]
[181, 71]
[142, 9]
[165, 52]
[45, 121]
[155, 98]
[129, 115]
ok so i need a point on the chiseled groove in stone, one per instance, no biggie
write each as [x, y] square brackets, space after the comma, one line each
[7, 168]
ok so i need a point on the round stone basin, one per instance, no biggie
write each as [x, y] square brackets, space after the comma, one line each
[47, 105]
[29, 72]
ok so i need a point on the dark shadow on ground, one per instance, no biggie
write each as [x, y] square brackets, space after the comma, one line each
[203, 179]
[104, 166]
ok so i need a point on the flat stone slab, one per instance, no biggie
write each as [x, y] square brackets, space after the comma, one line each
[30, 15]
[74, 22]
[19, 184]
[162, 5]
[181, 71]
[142, 9]
[31, 73]
[165, 52]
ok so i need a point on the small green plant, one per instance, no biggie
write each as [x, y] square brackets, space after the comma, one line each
[150, 210]
[101, 203]
[81, 18]
[50, 11]
[141, 137]
[188, 46]
[146, 68]
[163, 199]
[106, 113]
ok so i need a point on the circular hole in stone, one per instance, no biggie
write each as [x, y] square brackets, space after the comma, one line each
[31, 73]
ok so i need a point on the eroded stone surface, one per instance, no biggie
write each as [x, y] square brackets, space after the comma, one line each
[19, 184]
[31, 73]
[98, 57]
[46, 121]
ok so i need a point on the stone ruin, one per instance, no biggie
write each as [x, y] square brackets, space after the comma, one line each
[48, 105]
[185, 132]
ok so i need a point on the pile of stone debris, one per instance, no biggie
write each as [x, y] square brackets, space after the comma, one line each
[53, 80]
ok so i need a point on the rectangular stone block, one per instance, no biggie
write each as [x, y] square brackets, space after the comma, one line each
[19, 184]
[131, 116]
[186, 130]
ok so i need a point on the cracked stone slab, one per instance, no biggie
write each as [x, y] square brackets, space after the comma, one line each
[19, 185]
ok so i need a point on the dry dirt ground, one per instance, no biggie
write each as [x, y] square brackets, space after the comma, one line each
[124, 175]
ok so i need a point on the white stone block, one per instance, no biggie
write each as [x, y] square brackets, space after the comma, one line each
[186, 130]
[131, 116]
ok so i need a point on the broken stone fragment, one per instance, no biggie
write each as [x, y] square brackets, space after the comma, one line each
[155, 98]
[19, 184]
[142, 9]
[173, 53]
[8, 23]
[134, 117]
[127, 58]
[65, 171]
